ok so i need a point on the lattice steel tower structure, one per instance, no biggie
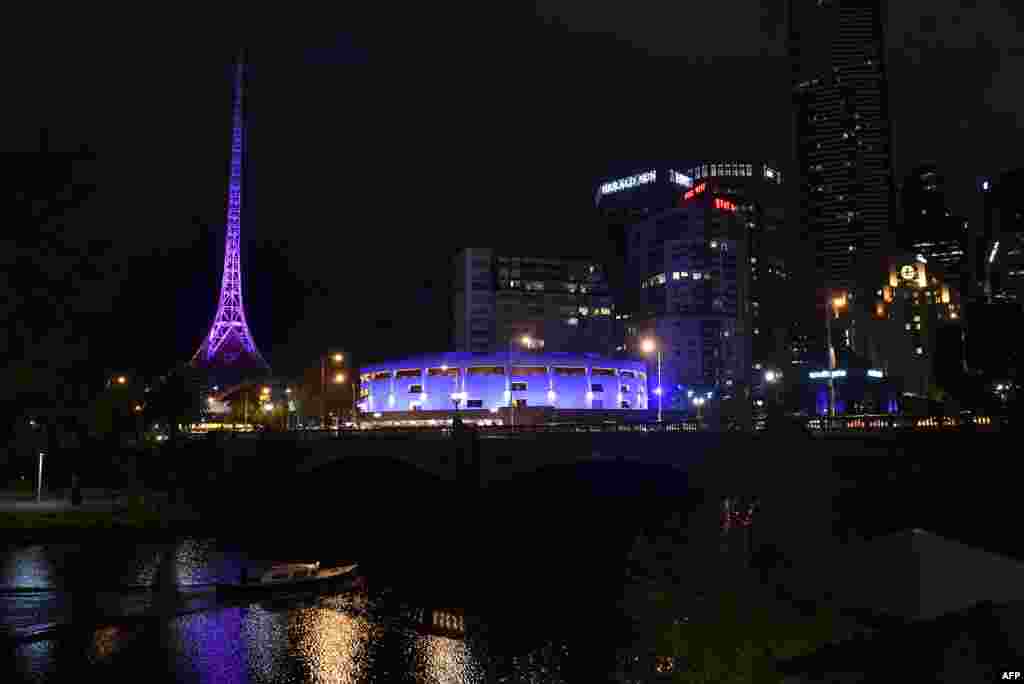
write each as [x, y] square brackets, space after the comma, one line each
[228, 349]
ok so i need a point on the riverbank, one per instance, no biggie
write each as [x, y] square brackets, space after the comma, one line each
[24, 519]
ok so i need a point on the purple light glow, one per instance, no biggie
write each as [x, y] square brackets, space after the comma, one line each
[229, 325]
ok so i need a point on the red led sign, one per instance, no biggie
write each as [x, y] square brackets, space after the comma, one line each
[724, 204]
[694, 191]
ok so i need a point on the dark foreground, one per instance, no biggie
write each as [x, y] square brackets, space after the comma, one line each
[546, 559]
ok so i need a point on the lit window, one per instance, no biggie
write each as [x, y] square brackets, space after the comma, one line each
[757, 331]
[584, 310]
[908, 326]
[675, 275]
[684, 275]
[753, 260]
[917, 319]
[919, 351]
[696, 275]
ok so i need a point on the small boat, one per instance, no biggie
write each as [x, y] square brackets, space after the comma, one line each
[283, 576]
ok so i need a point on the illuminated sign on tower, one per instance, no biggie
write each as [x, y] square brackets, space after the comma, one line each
[629, 182]
[680, 179]
[694, 191]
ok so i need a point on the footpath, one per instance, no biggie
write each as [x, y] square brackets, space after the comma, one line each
[99, 508]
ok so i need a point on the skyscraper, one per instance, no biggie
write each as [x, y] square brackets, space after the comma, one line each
[504, 301]
[1003, 233]
[842, 136]
[930, 229]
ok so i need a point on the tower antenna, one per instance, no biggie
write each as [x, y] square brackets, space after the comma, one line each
[229, 344]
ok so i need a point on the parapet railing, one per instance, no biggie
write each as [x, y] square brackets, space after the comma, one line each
[880, 423]
[818, 425]
[446, 430]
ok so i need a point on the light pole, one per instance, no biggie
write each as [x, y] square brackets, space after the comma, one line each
[699, 403]
[336, 358]
[774, 379]
[648, 346]
[832, 306]
[39, 479]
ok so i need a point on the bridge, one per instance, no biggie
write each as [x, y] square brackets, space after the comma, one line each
[498, 454]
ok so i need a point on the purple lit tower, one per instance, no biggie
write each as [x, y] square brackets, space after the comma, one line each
[228, 351]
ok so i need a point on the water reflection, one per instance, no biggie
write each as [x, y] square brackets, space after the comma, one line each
[209, 647]
[331, 646]
[440, 659]
[195, 562]
[29, 567]
[348, 637]
[302, 643]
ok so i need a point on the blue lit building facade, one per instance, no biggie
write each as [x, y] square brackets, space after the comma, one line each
[859, 391]
[490, 382]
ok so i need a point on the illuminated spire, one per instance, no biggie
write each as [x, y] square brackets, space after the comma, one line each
[229, 343]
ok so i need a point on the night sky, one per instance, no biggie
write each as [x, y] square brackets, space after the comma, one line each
[373, 154]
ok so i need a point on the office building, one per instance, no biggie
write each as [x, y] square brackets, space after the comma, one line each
[698, 242]
[504, 301]
[930, 229]
[1002, 248]
[915, 313]
[842, 136]
[689, 268]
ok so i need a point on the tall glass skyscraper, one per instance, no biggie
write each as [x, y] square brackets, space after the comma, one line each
[842, 135]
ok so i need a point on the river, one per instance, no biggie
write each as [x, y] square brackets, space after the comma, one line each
[148, 612]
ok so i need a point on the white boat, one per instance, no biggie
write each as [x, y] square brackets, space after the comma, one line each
[287, 575]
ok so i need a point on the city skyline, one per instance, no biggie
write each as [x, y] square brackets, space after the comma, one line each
[311, 213]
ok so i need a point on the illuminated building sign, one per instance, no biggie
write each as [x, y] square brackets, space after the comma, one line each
[720, 169]
[875, 373]
[629, 182]
[694, 191]
[908, 272]
[725, 205]
[817, 375]
[680, 179]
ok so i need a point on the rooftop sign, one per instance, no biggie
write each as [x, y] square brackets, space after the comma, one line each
[680, 178]
[629, 182]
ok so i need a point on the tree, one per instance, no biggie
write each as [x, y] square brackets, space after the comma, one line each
[176, 400]
[712, 618]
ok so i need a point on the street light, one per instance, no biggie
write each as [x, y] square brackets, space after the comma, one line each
[832, 306]
[121, 380]
[39, 482]
[648, 346]
[335, 358]
[699, 403]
